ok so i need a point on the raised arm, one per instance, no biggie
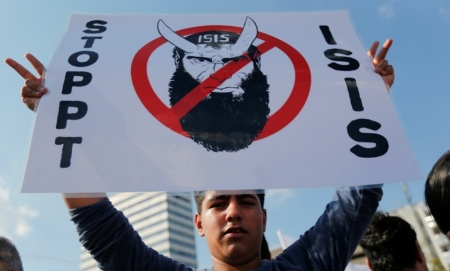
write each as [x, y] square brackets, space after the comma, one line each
[331, 242]
[31, 93]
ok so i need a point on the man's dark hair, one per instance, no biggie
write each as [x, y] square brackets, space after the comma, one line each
[9, 255]
[390, 243]
[265, 251]
[199, 196]
[437, 192]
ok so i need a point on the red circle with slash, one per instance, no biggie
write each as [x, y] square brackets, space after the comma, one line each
[170, 116]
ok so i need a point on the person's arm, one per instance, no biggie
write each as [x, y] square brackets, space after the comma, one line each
[331, 242]
[113, 243]
[103, 231]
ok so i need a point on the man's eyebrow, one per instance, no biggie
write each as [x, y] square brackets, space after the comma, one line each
[219, 197]
[226, 59]
[245, 196]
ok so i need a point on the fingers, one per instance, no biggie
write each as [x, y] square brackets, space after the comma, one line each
[21, 70]
[383, 51]
[381, 66]
[33, 89]
[36, 63]
[373, 49]
[388, 70]
[33, 92]
[36, 86]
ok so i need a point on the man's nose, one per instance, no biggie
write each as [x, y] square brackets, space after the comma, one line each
[233, 212]
[219, 72]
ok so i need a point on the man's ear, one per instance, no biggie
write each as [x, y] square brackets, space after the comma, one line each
[176, 58]
[369, 264]
[264, 219]
[198, 224]
[420, 256]
[257, 61]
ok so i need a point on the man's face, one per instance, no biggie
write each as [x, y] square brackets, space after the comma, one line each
[208, 60]
[233, 225]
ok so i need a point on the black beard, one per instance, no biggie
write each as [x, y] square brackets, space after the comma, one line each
[221, 121]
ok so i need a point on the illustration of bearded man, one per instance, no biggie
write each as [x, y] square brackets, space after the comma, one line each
[232, 116]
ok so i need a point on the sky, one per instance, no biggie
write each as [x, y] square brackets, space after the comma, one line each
[39, 223]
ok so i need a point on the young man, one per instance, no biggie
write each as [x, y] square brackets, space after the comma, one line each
[9, 256]
[233, 222]
[390, 244]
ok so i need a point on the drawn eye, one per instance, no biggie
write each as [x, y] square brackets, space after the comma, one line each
[200, 60]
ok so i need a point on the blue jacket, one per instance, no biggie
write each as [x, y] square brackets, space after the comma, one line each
[327, 246]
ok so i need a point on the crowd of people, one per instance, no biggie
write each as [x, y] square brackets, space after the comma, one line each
[233, 224]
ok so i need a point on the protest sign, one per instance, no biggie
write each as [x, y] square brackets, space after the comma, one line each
[197, 102]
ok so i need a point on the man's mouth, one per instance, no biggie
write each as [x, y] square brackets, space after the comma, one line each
[235, 231]
[236, 91]
[221, 89]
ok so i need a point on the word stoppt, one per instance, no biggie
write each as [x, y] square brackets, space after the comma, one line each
[348, 64]
[77, 79]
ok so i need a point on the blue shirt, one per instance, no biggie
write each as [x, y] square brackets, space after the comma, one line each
[328, 245]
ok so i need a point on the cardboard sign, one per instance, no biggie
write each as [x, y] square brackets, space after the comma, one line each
[198, 102]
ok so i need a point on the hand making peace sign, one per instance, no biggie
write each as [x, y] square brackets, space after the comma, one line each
[33, 90]
[381, 65]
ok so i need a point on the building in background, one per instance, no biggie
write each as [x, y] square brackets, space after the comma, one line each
[163, 220]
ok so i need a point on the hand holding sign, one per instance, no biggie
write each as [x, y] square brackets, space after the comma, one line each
[381, 65]
[33, 90]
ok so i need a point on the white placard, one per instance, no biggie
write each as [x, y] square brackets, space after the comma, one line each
[112, 123]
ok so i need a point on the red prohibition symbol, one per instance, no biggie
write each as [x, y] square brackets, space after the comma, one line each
[170, 116]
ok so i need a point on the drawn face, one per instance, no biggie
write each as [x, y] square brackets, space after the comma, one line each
[236, 110]
[233, 225]
[208, 60]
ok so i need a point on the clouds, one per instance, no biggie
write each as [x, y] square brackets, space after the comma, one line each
[386, 10]
[445, 12]
[14, 218]
[278, 196]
